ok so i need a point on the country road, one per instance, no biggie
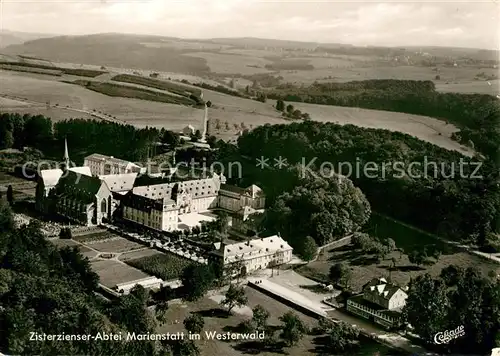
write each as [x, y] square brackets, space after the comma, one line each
[88, 112]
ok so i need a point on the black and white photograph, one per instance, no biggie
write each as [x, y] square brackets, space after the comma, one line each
[249, 177]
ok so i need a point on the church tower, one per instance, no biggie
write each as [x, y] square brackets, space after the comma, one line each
[66, 154]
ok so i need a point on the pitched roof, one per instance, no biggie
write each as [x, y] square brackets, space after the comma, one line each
[378, 290]
[81, 170]
[109, 159]
[119, 182]
[232, 189]
[199, 188]
[50, 177]
[147, 204]
[79, 187]
[254, 248]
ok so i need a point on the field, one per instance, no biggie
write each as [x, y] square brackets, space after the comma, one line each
[164, 266]
[112, 272]
[125, 91]
[158, 84]
[232, 63]
[216, 320]
[38, 90]
[365, 268]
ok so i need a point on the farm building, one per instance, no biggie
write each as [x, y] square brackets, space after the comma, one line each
[251, 255]
[380, 302]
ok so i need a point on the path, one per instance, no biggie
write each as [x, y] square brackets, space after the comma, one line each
[370, 330]
[467, 248]
[88, 112]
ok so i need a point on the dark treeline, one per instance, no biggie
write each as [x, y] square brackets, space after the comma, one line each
[477, 115]
[84, 137]
[437, 196]
[459, 297]
[49, 291]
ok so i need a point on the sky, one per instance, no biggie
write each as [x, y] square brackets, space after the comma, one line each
[398, 23]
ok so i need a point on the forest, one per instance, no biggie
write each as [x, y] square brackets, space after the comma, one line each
[440, 194]
[51, 291]
[477, 115]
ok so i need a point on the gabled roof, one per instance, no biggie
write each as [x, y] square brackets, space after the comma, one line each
[378, 290]
[254, 248]
[50, 177]
[79, 187]
[109, 159]
[81, 170]
[119, 182]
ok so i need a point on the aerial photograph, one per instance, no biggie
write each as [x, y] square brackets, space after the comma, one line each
[249, 177]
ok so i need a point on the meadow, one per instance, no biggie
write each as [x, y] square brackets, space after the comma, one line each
[38, 90]
[216, 320]
[112, 272]
[364, 266]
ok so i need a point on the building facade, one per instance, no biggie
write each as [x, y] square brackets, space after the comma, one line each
[109, 165]
[82, 199]
[247, 257]
[381, 302]
[233, 199]
[164, 203]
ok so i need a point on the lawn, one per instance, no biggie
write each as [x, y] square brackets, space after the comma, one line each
[165, 266]
[115, 244]
[94, 237]
[217, 320]
[364, 267]
[112, 272]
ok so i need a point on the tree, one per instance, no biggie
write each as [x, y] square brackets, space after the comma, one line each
[171, 138]
[209, 104]
[234, 297]
[391, 245]
[340, 274]
[65, 233]
[212, 141]
[308, 249]
[161, 309]
[427, 307]
[196, 281]
[293, 329]
[362, 241]
[280, 105]
[10, 195]
[194, 323]
[343, 338]
[417, 257]
[185, 348]
[290, 109]
[260, 317]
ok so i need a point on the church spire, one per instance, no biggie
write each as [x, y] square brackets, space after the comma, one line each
[66, 154]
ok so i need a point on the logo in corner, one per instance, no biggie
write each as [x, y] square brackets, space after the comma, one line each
[445, 337]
